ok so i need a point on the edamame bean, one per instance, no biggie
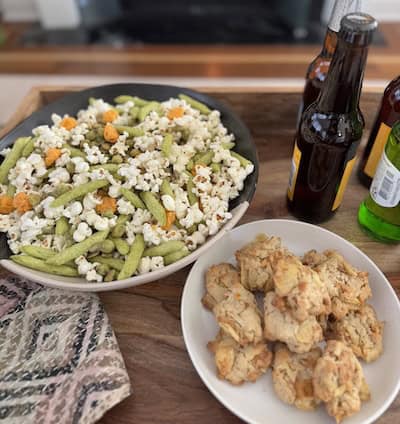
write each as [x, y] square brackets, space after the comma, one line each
[133, 258]
[92, 100]
[215, 167]
[205, 159]
[117, 159]
[78, 191]
[70, 167]
[11, 190]
[107, 246]
[102, 269]
[175, 256]
[34, 199]
[77, 249]
[61, 189]
[111, 262]
[132, 197]
[155, 207]
[195, 104]
[110, 167]
[167, 189]
[147, 109]
[189, 188]
[110, 276]
[166, 145]
[243, 161]
[29, 147]
[165, 248]
[41, 265]
[11, 159]
[91, 135]
[119, 229]
[132, 131]
[74, 152]
[228, 146]
[121, 245]
[189, 165]
[38, 252]
[134, 112]
[136, 100]
[62, 226]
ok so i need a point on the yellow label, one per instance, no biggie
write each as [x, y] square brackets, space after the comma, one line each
[293, 172]
[377, 149]
[343, 183]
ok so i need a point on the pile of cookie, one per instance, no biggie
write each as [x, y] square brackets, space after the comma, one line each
[315, 327]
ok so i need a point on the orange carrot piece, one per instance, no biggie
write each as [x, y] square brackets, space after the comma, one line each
[171, 216]
[68, 123]
[21, 202]
[110, 115]
[110, 133]
[108, 204]
[176, 112]
[6, 204]
[52, 155]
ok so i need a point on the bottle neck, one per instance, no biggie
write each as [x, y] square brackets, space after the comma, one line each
[342, 88]
[330, 43]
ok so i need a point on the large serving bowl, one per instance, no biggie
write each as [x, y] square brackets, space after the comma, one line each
[71, 104]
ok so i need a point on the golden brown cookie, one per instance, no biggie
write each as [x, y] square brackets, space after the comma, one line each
[361, 331]
[254, 262]
[218, 279]
[292, 375]
[236, 363]
[279, 325]
[238, 315]
[339, 381]
[303, 290]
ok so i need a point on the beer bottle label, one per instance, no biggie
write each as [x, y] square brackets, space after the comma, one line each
[294, 171]
[385, 187]
[343, 183]
[377, 149]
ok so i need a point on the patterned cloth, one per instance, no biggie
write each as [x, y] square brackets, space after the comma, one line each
[59, 359]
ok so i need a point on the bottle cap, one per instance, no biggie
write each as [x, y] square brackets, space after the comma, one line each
[358, 28]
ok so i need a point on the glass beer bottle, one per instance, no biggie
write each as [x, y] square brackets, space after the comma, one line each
[318, 68]
[330, 129]
[388, 114]
[379, 214]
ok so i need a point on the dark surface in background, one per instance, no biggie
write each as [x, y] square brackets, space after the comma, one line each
[126, 22]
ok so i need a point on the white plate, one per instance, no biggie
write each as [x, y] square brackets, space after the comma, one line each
[257, 402]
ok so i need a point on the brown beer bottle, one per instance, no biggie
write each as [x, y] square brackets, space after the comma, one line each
[318, 68]
[330, 129]
[388, 115]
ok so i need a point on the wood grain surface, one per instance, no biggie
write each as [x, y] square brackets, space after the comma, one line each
[146, 319]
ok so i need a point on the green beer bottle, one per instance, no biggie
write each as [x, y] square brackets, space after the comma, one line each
[379, 213]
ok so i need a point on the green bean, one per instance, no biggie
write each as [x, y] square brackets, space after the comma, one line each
[29, 147]
[110, 276]
[91, 135]
[189, 188]
[146, 109]
[70, 167]
[117, 159]
[165, 248]
[62, 226]
[111, 262]
[11, 159]
[189, 165]
[34, 199]
[121, 245]
[92, 100]
[215, 167]
[77, 249]
[78, 192]
[195, 104]
[105, 146]
[136, 100]
[132, 197]
[205, 159]
[175, 256]
[229, 145]
[11, 190]
[167, 189]
[107, 246]
[191, 229]
[243, 161]
[155, 207]
[134, 112]
[74, 152]
[133, 258]
[132, 131]
[134, 152]
[43, 266]
[119, 229]
[110, 167]
[38, 252]
[167, 145]
[102, 269]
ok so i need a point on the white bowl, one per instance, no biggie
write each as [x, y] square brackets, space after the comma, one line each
[257, 402]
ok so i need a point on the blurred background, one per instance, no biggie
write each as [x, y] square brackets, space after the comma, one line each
[249, 43]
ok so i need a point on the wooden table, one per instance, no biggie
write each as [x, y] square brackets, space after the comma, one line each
[146, 319]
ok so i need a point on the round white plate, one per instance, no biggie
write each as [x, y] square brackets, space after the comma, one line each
[257, 402]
